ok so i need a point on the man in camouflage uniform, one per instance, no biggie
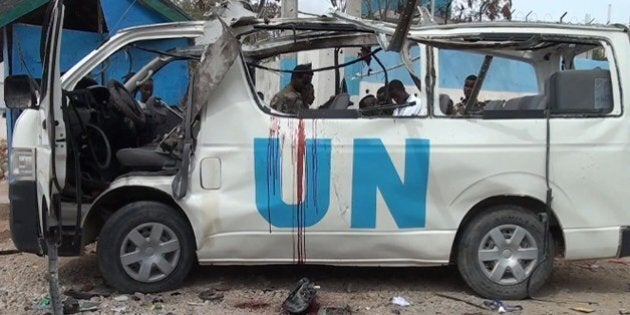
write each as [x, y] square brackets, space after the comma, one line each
[296, 95]
[459, 108]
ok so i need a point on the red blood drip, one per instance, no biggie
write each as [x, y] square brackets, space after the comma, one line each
[301, 215]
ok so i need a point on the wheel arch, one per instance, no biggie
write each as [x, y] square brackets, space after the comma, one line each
[110, 202]
[530, 203]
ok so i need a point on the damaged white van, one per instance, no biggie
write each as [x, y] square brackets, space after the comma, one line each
[499, 186]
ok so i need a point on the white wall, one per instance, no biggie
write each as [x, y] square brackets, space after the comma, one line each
[323, 82]
[268, 82]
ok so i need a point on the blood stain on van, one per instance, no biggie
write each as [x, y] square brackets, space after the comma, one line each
[313, 165]
[301, 215]
[273, 170]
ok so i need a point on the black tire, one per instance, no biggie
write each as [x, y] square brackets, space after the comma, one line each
[507, 284]
[145, 217]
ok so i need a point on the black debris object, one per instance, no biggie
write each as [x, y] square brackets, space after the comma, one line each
[71, 306]
[79, 295]
[300, 298]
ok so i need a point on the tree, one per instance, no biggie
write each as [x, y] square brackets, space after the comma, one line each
[197, 9]
[599, 54]
[480, 10]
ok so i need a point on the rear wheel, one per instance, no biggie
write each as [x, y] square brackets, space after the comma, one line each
[500, 253]
[146, 247]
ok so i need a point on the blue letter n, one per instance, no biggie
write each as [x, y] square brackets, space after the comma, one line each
[373, 170]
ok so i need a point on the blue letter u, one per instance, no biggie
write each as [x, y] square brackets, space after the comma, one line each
[268, 173]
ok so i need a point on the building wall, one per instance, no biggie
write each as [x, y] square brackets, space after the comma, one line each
[118, 14]
[121, 14]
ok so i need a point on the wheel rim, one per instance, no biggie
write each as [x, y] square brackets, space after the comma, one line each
[507, 254]
[150, 252]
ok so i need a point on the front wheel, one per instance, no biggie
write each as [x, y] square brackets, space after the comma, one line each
[501, 253]
[146, 247]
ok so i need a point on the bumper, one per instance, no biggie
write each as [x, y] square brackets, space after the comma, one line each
[624, 244]
[24, 217]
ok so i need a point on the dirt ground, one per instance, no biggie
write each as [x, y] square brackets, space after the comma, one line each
[602, 286]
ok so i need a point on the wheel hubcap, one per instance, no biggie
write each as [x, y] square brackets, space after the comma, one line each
[150, 252]
[507, 254]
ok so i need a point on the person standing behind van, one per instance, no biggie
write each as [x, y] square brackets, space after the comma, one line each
[381, 97]
[460, 107]
[308, 95]
[290, 100]
[399, 94]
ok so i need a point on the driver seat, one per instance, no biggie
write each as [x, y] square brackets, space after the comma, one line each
[147, 159]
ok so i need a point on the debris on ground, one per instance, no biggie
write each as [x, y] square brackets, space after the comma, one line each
[121, 298]
[89, 307]
[86, 293]
[583, 310]
[252, 305]
[400, 301]
[301, 297]
[591, 267]
[137, 296]
[197, 304]
[44, 301]
[82, 294]
[119, 309]
[335, 310]
[501, 307]
[619, 261]
[211, 295]
[9, 252]
[454, 298]
[71, 306]
[79, 295]
[157, 306]
[43, 304]
[104, 292]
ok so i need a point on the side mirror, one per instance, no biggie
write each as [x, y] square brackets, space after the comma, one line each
[20, 92]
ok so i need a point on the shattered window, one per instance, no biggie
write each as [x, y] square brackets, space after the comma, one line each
[583, 86]
[123, 64]
[341, 78]
[505, 80]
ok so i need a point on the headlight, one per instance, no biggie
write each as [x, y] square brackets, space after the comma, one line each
[22, 163]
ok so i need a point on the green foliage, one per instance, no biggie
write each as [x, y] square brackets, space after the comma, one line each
[481, 10]
[599, 54]
[198, 9]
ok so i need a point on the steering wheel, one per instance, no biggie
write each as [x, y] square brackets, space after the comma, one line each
[125, 102]
[96, 150]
